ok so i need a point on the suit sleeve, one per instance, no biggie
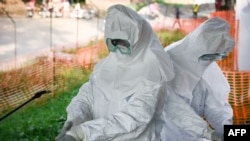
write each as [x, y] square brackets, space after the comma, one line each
[130, 122]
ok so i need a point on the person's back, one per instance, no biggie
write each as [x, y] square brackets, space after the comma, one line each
[210, 98]
[181, 122]
[192, 58]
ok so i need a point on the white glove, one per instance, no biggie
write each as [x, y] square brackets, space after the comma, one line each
[76, 132]
[67, 126]
[66, 138]
[214, 136]
[217, 137]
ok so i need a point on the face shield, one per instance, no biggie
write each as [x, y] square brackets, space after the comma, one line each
[208, 58]
[213, 57]
[118, 44]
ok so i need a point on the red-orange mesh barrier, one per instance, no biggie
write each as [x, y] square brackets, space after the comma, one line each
[228, 63]
[17, 86]
[188, 25]
[184, 24]
[88, 56]
[239, 97]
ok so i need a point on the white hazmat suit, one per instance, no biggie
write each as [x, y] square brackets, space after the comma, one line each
[201, 83]
[126, 93]
[124, 97]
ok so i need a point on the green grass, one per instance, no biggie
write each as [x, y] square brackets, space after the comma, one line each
[42, 119]
[167, 37]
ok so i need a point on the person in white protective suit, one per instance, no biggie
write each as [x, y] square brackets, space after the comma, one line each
[125, 95]
[198, 78]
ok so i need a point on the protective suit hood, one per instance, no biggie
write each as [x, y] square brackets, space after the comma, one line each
[210, 37]
[119, 76]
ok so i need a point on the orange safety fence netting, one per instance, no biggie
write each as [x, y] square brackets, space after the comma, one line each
[41, 73]
[17, 86]
[239, 81]
[239, 97]
[20, 80]
[188, 25]
[89, 56]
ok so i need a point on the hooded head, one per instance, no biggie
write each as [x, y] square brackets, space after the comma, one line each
[125, 24]
[194, 53]
[136, 55]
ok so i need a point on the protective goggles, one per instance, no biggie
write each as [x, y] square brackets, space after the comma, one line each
[122, 45]
[213, 57]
